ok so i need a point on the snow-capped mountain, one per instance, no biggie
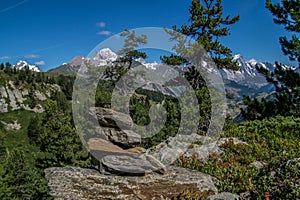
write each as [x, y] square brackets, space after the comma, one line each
[147, 65]
[105, 57]
[21, 65]
[248, 75]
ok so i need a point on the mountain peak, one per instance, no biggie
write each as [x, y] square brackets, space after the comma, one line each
[237, 57]
[253, 61]
[106, 54]
[77, 61]
[22, 64]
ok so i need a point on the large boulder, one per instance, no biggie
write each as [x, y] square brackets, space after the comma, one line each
[79, 183]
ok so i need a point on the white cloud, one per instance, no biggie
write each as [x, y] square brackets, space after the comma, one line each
[40, 63]
[4, 57]
[13, 6]
[32, 56]
[106, 33]
[101, 24]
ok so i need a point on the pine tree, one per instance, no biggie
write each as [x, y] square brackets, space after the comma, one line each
[285, 100]
[173, 60]
[20, 181]
[58, 141]
[287, 13]
[131, 42]
[124, 63]
[1, 66]
[207, 25]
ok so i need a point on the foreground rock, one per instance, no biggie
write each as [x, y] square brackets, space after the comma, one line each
[78, 183]
[133, 165]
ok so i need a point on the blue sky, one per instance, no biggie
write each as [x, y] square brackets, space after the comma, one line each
[51, 32]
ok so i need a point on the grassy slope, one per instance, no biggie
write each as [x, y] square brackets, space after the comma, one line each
[18, 138]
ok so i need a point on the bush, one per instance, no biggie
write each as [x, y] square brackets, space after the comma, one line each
[272, 142]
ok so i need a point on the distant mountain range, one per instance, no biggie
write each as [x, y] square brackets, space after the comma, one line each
[247, 76]
[245, 82]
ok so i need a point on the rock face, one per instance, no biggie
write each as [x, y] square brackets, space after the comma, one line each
[78, 183]
[14, 97]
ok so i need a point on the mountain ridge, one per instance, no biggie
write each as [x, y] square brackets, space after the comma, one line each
[247, 75]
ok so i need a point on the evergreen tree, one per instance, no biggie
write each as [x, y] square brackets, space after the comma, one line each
[7, 64]
[66, 83]
[31, 99]
[287, 13]
[131, 42]
[1, 66]
[207, 25]
[8, 69]
[2, 146]
[34, 129]
[286, 98]
[58, 141]
[173, 60]
[124, 63]
[286, 81]
[20, 181]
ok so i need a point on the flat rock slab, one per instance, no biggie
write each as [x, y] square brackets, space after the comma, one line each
[128, 165]
[89, 184]
[104, 145]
